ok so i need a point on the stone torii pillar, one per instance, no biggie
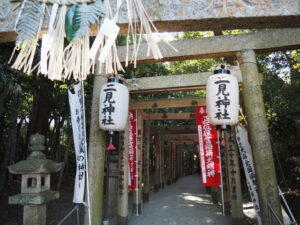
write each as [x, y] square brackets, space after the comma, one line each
[259, 136]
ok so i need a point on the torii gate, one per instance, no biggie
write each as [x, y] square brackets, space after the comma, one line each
[195, 15]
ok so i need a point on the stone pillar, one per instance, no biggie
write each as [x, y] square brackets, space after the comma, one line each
[137, 197]
[122, 218]
[146, 188]
[157, 164]
[259, 135]
[113, 187]
[235, 190]
[96, 158]
[34, 215]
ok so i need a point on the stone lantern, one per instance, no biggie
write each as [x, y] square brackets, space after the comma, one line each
[35, 185]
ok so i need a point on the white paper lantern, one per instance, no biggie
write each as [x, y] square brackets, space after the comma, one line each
[222, 98]
[114, 101]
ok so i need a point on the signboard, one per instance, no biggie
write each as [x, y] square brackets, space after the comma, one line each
[246, 155]
[76, 108]
[132, 151]
[208, 149]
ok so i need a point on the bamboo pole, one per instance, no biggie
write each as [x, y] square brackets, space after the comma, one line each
[146, 188]
[259, 136]
[96, 157]
[122, 218]
[235, 190]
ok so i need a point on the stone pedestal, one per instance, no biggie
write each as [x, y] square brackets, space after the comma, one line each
[34, 215]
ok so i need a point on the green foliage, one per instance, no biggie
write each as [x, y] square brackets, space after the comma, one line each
[281, 89]
[29, 22]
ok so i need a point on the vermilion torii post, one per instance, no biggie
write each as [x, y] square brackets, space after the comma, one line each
[259, 136]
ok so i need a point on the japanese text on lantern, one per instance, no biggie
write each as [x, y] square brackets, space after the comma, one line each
[109, 105]
[223, 100]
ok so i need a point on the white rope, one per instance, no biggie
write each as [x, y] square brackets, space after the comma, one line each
[86, 156]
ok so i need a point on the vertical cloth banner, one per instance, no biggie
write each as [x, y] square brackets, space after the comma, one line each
[208, 149]
[246, 155]
[132, 151]
[77, 118]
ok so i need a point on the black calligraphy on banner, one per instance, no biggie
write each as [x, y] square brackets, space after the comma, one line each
[109, 105]
[223, 100]
[77, 117]
[246, 155]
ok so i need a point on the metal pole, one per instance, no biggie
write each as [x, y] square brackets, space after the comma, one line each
[286, 204]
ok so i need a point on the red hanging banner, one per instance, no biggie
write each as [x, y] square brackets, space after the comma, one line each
[132, 151]
[208, 149]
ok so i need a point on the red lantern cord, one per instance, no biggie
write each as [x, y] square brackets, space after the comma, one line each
[110, 146]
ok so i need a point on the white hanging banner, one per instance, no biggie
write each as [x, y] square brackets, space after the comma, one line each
[246, 155]
[77, 118]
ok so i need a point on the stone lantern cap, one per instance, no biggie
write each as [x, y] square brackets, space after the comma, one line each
[36, 163]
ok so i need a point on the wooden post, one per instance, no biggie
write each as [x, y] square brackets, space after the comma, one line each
[235, 190]
[169, 163]
[162, 162]
[137, 195]
[157, 164]
[122, 218]
[96, 157]
[146, 188]
[174, 163]
[259, 136]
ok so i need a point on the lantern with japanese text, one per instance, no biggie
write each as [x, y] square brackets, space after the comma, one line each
[222, 98]
[113, 112]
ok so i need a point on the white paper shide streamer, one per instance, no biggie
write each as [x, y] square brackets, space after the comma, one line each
[77, 117]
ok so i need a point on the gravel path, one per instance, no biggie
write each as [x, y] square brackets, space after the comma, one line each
[182, 203]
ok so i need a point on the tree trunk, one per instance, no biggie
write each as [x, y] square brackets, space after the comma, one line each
[11, 140]
[61, 172]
